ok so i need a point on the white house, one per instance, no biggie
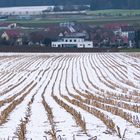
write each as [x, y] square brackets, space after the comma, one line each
[127, 30]
[12, 35]
[72, 42]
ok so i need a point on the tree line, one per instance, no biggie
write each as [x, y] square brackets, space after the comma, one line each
[114, 4]
[95, 4]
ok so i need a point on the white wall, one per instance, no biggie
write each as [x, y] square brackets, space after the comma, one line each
[78, 42]
[124, 34]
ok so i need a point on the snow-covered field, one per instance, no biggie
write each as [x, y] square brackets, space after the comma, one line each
[25, 10]
[70, 96]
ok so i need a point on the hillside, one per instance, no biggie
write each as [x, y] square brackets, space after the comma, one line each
[95, 4]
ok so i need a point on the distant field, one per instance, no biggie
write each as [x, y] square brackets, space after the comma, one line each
[93, 17]
[115, 12]
[92, 20]
[130, 50]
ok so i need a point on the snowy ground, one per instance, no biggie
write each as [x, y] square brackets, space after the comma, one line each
[25, 10]
[41, 96]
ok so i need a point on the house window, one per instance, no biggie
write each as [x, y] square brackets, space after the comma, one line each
[70, 40]
[66, 40]
[74, 40]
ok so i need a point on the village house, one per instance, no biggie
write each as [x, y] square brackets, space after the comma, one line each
[127, 31]
[115, 27]
[54, 33]
[13, 36]
[72, 36]
[101, 37]
[128, 34]
[72, 42]
[124, 32]
[44, 37]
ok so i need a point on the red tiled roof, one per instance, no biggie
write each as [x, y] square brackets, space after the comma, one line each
[115, 25]
[12, 33]
[57, 29]
[128, 28]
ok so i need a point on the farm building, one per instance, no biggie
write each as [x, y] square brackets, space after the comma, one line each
[73, 42]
